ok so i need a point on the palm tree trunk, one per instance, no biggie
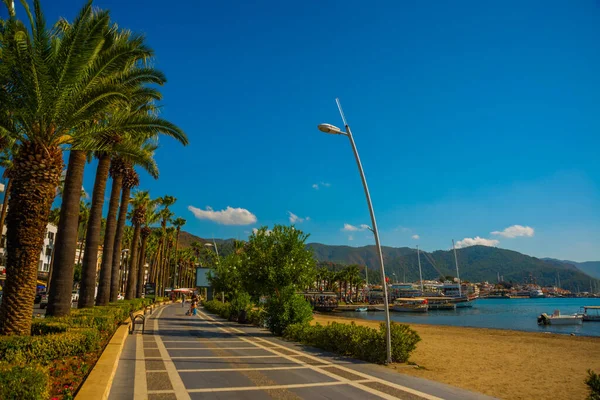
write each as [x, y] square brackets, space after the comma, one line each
[84, 227]
[109, 241]
[133, 264]
[5, 203]
[35, 177]
[59, 299]
[114, 287]
[175, 267]
[50, 270]
[92, 236]
[141, 264]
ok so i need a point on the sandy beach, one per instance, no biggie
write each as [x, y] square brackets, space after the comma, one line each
[501, 363]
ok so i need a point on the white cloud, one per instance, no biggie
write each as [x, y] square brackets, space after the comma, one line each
[294, 219]
[352, 228]
[476, 241]
[316, 186]
[515, 231]
[416, 237]
[229, 216]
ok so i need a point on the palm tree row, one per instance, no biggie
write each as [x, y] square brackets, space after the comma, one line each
[82, 89]
[348, 281]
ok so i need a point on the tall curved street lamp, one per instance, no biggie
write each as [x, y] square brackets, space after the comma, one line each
[334, 130]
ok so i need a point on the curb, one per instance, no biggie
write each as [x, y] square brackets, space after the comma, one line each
[98, 383]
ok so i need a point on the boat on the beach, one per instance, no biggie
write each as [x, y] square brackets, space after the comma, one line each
[361, 309]
[415, 305]
[590, 313]
[557, 319]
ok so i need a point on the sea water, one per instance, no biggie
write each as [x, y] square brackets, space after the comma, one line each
[515, 314]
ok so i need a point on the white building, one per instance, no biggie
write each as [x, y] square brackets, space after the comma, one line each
[45, 255]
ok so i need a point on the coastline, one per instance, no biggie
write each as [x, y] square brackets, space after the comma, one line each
[507, 364]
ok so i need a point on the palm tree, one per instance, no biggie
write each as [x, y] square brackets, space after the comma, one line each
[165, 215]
[177, 223]
[41, 108]
[130, 180]
[92, 236]
[122, 44]
[48, 100]
[84, 217]
[140, 202]
[151, 217]
[117, 170]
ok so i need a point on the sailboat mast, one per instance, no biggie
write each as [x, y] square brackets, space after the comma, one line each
[457, 274]
[420, 274]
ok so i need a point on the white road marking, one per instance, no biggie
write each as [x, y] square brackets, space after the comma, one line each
[203, 341]
[327, 364]
[339, 379]
[209, 357]
[270, 387]
[140, 386]
[254, 347]
[180, 390]
[240, 369]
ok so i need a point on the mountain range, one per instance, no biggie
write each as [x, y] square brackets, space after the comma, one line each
[592, 268]
[477, 263]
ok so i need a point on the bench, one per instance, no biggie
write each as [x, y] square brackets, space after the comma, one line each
[137, 320]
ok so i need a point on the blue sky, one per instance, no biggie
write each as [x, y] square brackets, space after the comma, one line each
[470, 117]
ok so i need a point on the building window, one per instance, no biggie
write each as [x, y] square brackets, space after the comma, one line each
[51, 235]
[40, 265]
[3, 241]
[46, 267]
[48, 251]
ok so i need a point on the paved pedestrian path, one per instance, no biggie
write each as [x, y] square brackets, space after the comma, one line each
[205, 357]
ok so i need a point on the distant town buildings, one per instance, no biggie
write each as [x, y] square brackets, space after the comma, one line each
[45, 254]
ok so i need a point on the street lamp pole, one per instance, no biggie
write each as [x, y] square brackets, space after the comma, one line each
[334, 130]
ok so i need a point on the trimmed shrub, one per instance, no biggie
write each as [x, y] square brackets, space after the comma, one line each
[46, 327]
[593, 382]
[44, 349]
[219, 308]
[286, 309]
[239, 306]
[257, 316]
[356, 341]
[23, 383]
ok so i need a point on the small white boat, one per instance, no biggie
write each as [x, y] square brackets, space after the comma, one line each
[361, 309]
[557, 319]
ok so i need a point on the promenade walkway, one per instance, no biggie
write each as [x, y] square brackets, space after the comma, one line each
[205, 357]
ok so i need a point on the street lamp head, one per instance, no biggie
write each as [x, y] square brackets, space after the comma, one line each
[332, 129]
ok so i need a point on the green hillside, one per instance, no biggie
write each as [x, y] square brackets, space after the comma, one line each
[477, 263]
[592, 268]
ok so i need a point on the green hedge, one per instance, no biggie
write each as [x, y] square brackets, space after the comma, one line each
[23, 382]
[23, 373]
[45, 349]
[217, 307]
[356, 341]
